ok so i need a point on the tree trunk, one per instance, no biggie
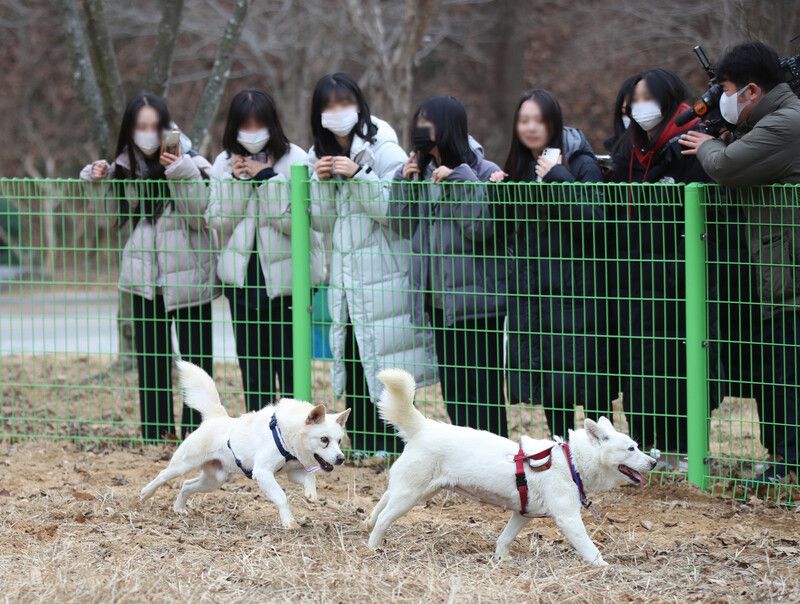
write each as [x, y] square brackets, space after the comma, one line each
[84, 73]
[160, 68]
[212, 94]
[104, 59]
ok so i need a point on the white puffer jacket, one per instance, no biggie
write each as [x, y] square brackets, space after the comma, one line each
[178, 253]
[236, 207]
[369, 266]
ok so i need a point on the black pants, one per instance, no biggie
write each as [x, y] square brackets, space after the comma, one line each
[366, 430]
[470, 355]
[264, 348]
[775, 375]
[154, 357]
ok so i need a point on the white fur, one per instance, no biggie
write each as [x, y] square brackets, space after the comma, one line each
[480, 465]
[302, 425]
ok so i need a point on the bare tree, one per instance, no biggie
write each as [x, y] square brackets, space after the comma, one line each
[391, 50]
[160, 68]
[212, 94]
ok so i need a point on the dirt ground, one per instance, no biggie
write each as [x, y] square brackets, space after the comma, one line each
[72, 530]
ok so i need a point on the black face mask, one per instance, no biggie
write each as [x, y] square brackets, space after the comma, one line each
[422, 140]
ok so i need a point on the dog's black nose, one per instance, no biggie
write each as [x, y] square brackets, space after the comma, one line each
[653, 463]
[339, 460]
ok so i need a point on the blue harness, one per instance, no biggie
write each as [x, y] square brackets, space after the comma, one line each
[276, 435]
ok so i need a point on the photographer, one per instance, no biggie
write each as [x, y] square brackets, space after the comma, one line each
[764, 149]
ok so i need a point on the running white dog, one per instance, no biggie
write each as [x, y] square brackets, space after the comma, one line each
[536, 478]
[291, 434]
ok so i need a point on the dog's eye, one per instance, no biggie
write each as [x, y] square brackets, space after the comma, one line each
[631, 448]
[325, 440]
[339, 442]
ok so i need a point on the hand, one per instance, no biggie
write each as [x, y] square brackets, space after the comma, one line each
[544, 165]
[411, 168]
[344, 166]
[167, 159]
[251, 167]
[324, 168]
[99, 169]
[441, 173]
[693, 140]
[498, 176]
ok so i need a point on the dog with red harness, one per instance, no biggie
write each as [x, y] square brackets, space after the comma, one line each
[532, 478]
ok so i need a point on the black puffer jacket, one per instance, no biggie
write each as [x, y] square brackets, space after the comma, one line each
[558, 349]
[455, 255]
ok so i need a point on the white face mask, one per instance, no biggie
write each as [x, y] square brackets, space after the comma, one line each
[253, 141]
[626, 121]
[341, 121]
[647, 114]
[729, 106]
[148, 142]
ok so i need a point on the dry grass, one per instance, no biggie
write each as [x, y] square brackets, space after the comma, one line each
[72, 531]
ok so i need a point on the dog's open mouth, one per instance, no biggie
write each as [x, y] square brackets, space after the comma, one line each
[631, 474]
[323, 464]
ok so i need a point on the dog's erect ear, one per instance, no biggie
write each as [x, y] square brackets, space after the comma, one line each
[341, 418]
[594, 431]
[606, 424]
[316, 415]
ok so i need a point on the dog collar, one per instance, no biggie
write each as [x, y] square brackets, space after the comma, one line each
[276, 435]
[245, 471]
[522, 482]
[576, 478]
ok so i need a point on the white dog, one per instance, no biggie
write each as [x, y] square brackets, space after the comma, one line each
[294, 435]
[535, 478]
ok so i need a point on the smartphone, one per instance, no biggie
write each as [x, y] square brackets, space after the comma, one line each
[171, 142]
[552, 154]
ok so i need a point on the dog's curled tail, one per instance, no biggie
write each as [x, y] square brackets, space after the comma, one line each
[396, 404]
[199, 390]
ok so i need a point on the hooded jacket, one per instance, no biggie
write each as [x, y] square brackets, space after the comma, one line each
[177, 252]
[369, 266]
[241, 210]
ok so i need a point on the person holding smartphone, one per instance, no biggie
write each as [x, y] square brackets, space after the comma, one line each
[168, 260]
[457, 272]
[353, 159]
[557, 313]
[249, 208]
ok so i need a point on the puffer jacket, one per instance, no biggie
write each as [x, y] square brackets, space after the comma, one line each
[369, 266]
[455, 254]
[178, 253]
[766, 151]
[559, 350]
[236, 207]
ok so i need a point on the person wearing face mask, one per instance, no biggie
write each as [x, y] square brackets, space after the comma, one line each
[167, 264]
[622, 113]
[249, 199]
[457, 269]
[650, 316]
[353, 158]
[558, 350]
[763, 149]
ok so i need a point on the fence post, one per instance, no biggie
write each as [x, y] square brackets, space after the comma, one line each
[301, 281]
[696, 334]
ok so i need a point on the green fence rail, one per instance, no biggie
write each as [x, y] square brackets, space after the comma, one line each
[521, 308]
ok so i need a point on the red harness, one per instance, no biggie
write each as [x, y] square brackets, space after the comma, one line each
[522, 483]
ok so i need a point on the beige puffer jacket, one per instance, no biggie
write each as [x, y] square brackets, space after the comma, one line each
[235, 208]
[178, 253]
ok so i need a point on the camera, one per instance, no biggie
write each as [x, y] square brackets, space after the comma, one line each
[707, 106]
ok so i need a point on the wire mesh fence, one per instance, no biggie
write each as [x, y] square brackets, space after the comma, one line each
[519, 308]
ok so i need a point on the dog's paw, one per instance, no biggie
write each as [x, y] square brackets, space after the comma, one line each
[180, 509]
[599, 562]
[499, 557]
[313, 497]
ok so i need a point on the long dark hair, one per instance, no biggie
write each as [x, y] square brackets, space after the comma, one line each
[256, 103]
[519, 162]
[623, 98]
[333, 87]
[449, 119]
[669, 91]
[152, 197]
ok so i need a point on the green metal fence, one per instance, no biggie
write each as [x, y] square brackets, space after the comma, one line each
[520, 309]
